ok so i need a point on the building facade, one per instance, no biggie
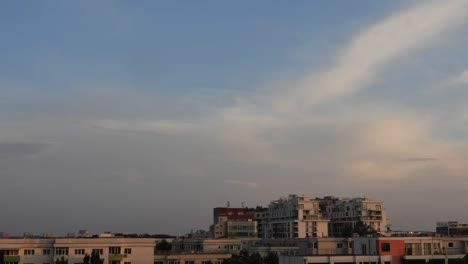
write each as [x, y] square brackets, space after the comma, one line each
[452, 228]
[383, 250]
[295, 216]
[233, 223]
[112, 250]
[344, 212]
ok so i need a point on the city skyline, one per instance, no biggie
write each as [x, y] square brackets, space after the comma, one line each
[143, 116]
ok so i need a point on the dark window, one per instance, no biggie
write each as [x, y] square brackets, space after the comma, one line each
[450, 244]
[385, 247]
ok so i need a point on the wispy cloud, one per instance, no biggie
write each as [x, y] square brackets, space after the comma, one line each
[419, 159]
[371, 50]
[144, 126]
[21, 149]
[461, 79]
[241, 183]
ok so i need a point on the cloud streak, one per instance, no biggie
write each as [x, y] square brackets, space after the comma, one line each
[241, 183]
[21, 149]
[371, 50]
[145, 126]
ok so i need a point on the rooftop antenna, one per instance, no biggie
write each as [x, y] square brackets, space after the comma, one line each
[228, 204]
[242, 205]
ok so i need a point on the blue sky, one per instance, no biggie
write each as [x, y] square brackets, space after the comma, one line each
[119, 109]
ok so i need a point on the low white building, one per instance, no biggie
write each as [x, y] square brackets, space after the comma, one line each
[46, 251]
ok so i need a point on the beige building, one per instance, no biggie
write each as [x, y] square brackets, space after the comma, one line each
[295, 216]
[233, 223]
[345, 211]
[46, 251]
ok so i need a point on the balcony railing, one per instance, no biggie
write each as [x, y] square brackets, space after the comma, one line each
[116, 257]
[11, 259]
[435, 251]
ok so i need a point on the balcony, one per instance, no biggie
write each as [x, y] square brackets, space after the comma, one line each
[10, 258]
[116, 257]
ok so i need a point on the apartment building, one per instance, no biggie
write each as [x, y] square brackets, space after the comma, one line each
[233, 223]
[384, 250]
[343, 212]
[452, 228]
[260, 214]
[46, 251]
[295, 216]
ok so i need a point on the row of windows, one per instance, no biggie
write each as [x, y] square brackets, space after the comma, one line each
[9, 252]
[64, 251]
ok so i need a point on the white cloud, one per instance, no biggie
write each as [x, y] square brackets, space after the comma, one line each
[370, 50]
[461, 79]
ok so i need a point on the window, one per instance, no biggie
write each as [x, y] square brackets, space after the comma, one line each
[10, 252]
[100, 251]
[114, 250]
[79, 251]
[450, 244]
[127, 262]
[173, 262]
[61, 251]
[158, 262]
[127, 251]
[339, 245]
[29, 252]
[189, 262]
[385, 247]
[206, 262]
[46, 252]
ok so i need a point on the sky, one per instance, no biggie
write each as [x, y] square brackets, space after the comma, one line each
[141, 116]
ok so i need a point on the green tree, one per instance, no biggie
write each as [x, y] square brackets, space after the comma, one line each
[164, 246]
[271, 258]
[463, 260]
[359, 228]
[61, 260]
[86, 259]
[95, 258]
[347, 230]
[255, 259]
[245, 258]
[363, 230]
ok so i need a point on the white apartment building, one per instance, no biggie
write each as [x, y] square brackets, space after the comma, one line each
[344, 211]
[295, 216]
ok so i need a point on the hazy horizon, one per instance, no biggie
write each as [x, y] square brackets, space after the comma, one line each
[141, 116]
